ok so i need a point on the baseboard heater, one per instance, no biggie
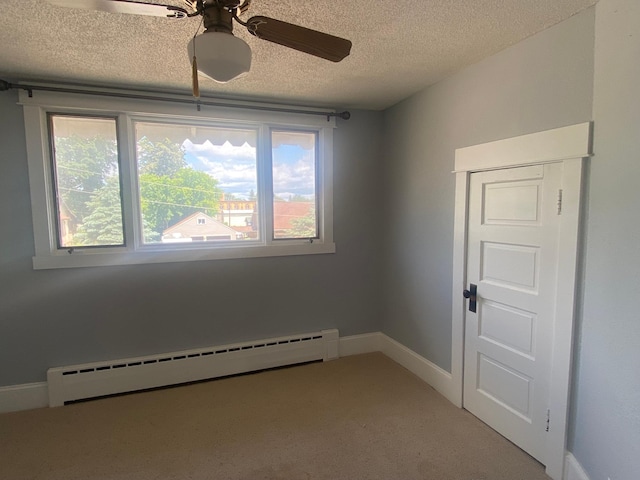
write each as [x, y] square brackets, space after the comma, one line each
[90, 380]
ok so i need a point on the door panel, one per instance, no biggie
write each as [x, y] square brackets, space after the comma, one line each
[509, 265]
[509, 327]
[511, 203]
[504, 385]
[512, 258]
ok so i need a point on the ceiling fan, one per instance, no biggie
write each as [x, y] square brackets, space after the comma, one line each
[216, 53]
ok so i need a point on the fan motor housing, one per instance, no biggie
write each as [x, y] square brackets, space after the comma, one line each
[217, 19]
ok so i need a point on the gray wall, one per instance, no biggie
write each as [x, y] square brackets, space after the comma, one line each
[586, 68]
[59, 317]
[606, 407]
[543, 82]
[547, 81]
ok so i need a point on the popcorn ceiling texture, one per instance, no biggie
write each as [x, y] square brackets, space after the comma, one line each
[399, 47]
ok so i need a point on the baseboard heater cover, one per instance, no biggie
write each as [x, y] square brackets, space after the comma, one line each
[90, 380]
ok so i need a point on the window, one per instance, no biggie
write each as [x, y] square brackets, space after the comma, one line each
[187, 169]
[86, 169]
[120, 182]
[294, 184]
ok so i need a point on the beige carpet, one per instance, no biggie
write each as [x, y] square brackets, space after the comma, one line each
[361, 417]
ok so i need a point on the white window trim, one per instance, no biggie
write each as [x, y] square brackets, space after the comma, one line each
[49, 256]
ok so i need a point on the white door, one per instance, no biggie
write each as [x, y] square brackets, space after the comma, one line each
[512, 258]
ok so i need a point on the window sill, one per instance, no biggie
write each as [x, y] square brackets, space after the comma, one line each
[81, 258]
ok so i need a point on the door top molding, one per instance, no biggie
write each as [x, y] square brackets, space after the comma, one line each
[553, 145]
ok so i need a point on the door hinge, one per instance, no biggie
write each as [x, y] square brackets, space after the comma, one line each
[560, 202]
[548, 419]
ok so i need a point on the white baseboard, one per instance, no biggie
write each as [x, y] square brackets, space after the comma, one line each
[35, 395]
[359, 344]
[573, 470]
[428, 371]
[23, 397]
[435, 376]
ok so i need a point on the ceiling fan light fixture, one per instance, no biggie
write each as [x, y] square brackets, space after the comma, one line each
[220, 56]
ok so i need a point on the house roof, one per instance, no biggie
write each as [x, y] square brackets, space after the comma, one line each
[189, 227]
[285, 212]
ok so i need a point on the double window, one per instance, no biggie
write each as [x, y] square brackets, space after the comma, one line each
[137, 184]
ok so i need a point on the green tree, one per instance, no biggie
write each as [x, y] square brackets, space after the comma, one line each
[83, 167]
[166, 200]
[88, 183]
[298, 198]
[304, 227]
[103, 226]
[160, 158]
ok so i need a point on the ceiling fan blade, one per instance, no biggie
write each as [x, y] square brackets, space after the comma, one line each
[300, 38]
[124, 6]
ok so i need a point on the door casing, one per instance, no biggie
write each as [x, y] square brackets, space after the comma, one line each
[572, 147]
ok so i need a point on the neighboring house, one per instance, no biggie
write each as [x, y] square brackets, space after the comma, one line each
[243, 217]
[285, 212]
[199, 227]
[68, 224]
[236, 213]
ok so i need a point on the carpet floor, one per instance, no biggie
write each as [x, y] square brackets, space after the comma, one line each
[359, 417]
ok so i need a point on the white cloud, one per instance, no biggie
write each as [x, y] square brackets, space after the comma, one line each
[233, 166]
[298, 177]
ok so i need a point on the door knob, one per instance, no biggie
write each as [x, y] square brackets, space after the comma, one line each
[471, 294]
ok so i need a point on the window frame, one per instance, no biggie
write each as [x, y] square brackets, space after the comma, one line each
[48, 255]
[317, 185]
[55, 193]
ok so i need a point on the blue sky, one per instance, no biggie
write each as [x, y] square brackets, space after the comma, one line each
[235, 167]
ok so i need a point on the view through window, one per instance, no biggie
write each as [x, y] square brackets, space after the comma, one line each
[197, 183]
[194, 183]
[294, 184]
[87, 181]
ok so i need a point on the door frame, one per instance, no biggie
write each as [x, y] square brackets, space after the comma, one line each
[570, 146]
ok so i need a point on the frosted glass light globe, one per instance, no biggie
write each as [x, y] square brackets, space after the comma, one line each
[220, 56]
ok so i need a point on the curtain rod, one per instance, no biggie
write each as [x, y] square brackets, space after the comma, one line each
[4, 85]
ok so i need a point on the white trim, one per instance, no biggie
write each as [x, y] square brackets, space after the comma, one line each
[573, 470]
[459, 283]
[39, 180]
[567, 145]
[86, 258]
[560, 380]
[359, 344]
[427, 371]
[325, 193]
[27, 396]
[554, 145]
[432, 374]
[49, 256]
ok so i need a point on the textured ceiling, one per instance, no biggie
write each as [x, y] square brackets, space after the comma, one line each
[399, 46]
